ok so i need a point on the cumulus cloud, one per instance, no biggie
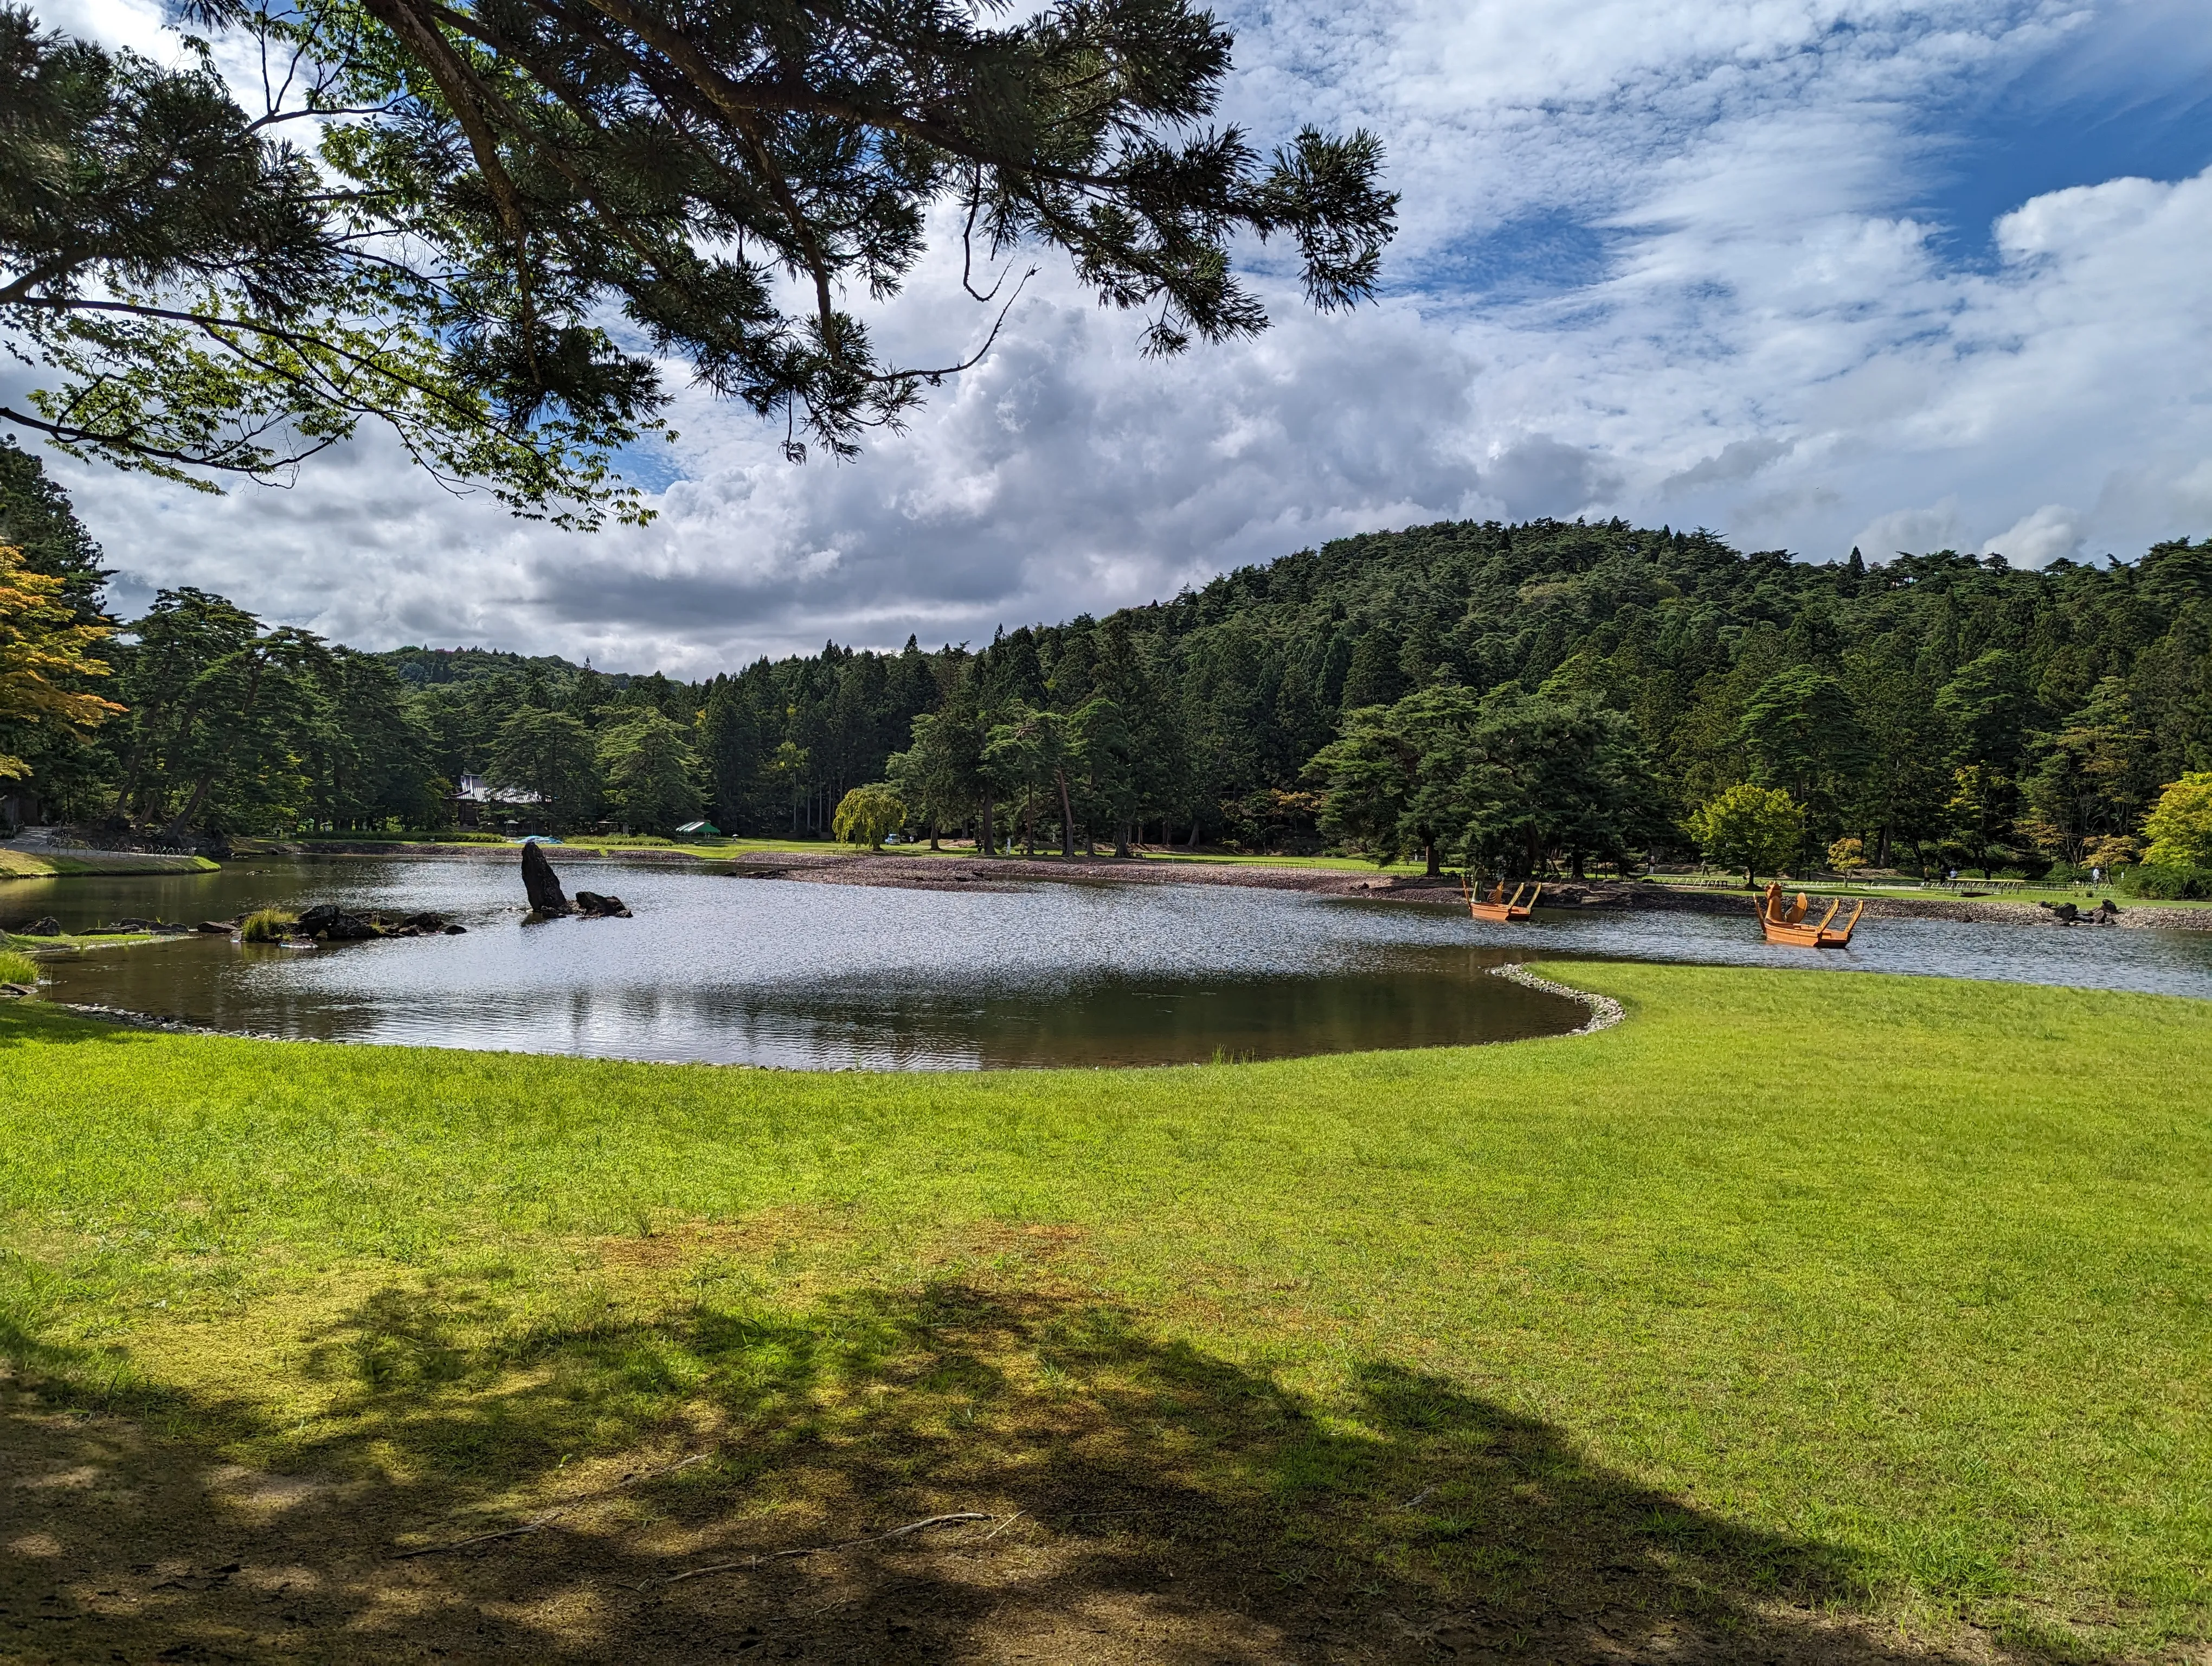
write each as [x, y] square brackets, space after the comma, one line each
[1738, 460]
[1538, 476]
[1911, 531]
[2034, 540]
[1667, 258]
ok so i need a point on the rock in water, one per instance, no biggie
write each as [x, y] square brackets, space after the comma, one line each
[333, 924]
[593, 906]
[541, 882]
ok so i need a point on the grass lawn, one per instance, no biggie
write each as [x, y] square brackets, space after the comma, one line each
[22, 864]
[1810, 1316]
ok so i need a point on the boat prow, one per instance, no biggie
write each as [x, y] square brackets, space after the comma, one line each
[1791, 924]
[1495, 905]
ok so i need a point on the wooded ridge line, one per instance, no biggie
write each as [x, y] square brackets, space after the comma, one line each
[1548, 694]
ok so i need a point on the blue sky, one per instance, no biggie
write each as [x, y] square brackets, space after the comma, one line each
[1812, 272]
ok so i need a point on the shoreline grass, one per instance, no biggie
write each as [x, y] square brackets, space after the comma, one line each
[22, 864]
[78, 942]
[1886, 1299]
[267, 925]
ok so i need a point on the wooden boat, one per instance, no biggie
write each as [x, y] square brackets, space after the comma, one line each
[1494, 904]
[1789, 924]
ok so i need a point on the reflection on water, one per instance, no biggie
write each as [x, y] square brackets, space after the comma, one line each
[721, 969]
[731, 970]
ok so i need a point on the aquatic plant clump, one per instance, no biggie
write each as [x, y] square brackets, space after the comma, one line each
[267, 925]
[16, 967]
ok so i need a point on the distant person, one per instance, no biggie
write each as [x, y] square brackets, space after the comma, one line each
[2096, 876]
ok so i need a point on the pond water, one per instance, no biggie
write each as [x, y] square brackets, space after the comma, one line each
[725, 970]
[728, 970]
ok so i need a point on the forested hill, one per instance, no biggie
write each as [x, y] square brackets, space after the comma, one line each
[2068, 694]
[1587, 688]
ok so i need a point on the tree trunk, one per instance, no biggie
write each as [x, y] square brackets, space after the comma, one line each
[1428, 852]
[1121, 838]
[1066, 818]
[933, 832]
[1193, 829]
[986, 844]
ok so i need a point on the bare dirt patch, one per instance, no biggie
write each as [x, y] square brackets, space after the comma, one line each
[668, 1245]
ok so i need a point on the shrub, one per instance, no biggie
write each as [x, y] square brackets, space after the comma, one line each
[1846, 855]
[2167, 882]
[267, 925]
[16, 967]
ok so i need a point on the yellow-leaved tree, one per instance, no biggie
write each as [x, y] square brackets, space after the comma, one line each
[867, 815]
[43, 650]
[2180, 827]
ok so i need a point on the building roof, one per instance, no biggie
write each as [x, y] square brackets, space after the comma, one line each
[476, 789]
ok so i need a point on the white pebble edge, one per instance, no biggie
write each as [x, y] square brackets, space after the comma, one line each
[1605, 1011]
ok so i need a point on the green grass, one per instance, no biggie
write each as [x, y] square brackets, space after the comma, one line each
[267, 925]
[72, 942]
[1887, 1295]
[16, 967]
[22, 864]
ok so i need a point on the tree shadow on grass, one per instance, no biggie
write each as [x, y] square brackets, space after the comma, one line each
[1143, 1500]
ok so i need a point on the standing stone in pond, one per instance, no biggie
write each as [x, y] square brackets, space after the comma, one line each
[542, 884]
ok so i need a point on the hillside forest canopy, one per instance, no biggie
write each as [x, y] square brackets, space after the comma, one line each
[1548, 697]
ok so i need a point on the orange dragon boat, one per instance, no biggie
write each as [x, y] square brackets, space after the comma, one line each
[1788, 924]
[1494, 904]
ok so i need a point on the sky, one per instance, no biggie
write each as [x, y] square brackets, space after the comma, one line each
[1811, 273]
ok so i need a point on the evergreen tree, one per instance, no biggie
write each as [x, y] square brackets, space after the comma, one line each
[493, 185]
[551, 758]
[648, 767]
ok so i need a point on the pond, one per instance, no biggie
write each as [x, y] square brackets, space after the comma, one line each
[725, 970]
[721, 969]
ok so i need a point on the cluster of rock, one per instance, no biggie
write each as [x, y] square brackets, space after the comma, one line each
[326, 922]
[2067, 914]
[548, 901]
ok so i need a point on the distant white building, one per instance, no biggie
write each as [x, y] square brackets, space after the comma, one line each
[475, 796]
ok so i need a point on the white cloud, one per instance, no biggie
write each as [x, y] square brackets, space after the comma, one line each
[136, 24]
[2052, 531]
[1910, 532]
[1739, 318]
